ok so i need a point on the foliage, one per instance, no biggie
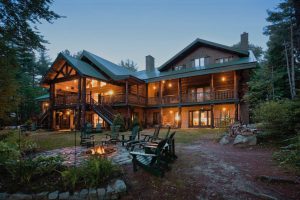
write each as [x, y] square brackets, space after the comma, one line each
[129, 64]
[137, 122]
[119, 121]
[18, 40]
[289, 155]
[8, 152]
[5, 134]
[28, 146]
[278, 118]
[92, 173]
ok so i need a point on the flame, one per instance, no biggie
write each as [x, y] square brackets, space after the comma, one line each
[98, 150]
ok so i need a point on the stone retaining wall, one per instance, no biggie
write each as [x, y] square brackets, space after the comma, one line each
[113, 191]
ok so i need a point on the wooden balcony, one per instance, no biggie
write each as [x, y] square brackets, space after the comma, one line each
[70, 99]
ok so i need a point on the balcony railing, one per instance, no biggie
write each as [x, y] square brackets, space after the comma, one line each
[69, 99]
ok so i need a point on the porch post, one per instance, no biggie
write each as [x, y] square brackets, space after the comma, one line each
[212, 86]
[146, 93]
[212, 120]
[126, 92]
[52, 103]
[160, 93]
[235, 85]
[78, 104]
[83, 101]
[236, 113]
[179, 91]
[180, 118]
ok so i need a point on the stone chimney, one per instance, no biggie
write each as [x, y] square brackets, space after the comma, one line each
[244, 41]
[149, 63]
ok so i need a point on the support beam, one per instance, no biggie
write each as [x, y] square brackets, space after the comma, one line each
[161, 116]
[236, 113]
[52, 103]
[83, 101]
[126, 92]
[180, 118]
[212, 120]
[212, 86]
[179, 91]
[235, 84]
[160, 92]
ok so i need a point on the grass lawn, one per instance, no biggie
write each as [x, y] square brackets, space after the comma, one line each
[48, 140]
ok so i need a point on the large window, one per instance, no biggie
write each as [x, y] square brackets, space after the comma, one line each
[200, 62]
[199, 118]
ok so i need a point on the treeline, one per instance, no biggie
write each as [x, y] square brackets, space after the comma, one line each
[19, 67]
[274, 86]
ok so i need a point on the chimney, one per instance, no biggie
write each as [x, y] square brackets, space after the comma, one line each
[244, 41]
[149, 63]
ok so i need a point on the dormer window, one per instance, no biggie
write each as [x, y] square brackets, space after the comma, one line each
[179, 67]
[223, 60]
[200, 62]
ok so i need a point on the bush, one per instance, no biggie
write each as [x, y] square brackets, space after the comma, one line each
[136, 122]
[92, 173]
[28, 146]
[5, 134]
[119, 121]
[277, 118]
[8, 152]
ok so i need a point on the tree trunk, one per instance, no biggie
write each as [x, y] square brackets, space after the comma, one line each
[288, 69]
[292, 65]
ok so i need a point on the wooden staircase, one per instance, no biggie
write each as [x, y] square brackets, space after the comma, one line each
[105, 111]
[42, 118]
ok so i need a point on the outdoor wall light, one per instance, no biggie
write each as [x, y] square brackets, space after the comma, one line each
[163, 81]
[67, 87]
[154, 87]
[68, 112]
[110, 92]
[224, 109]
[46, 104]
[223, 79]
[170, 84]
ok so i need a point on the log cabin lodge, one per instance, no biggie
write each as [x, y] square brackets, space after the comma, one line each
[201, 86]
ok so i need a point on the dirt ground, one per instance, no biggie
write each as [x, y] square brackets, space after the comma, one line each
[207, 170]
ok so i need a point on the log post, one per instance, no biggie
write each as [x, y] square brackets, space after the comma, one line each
[212, 120]
[83, 101]
[126, 92]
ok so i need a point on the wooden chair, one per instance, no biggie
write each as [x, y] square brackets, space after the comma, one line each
[152, 162]
[150, 138]
[98, 128]
[113, 137]
[86, 138]
[133, 138]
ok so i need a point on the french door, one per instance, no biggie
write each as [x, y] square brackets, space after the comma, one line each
[199, 118]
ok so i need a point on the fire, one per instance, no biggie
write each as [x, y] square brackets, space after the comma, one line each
[98, 150]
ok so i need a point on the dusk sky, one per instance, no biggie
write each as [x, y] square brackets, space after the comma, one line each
[121, 29]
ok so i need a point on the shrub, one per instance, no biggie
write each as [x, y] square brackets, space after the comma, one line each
[119, 121]
[28, 146]
[92, 173]
[5, 134]
[8, 152]
[277, 118]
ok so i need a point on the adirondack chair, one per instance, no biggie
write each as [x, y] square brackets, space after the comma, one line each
[158, 139]
[86, 139]
[98, 128]
[169, 151]
[133, 138]
[150, 138]
[113, 137]
[152, 162]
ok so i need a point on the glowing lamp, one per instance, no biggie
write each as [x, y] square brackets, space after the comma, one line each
[224, 109]
[163, 81]
[110, 92]
[154, 87]
[170, 84]
[223, 79]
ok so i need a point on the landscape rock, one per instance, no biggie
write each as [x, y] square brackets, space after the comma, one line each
[3, 196]
[120, 186]
[53, 195]
[252, 140]
[20, 196]
[93, 194]
[110, 193]
[64, 196]
[84, 193]
[41, 196]
[240, 139]
[101, 193]
[75, 196]
[225, 140]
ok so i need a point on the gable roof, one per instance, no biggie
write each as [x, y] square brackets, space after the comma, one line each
[195, 44]
[81, 67]
[116, 72]
[238, 64]
[43, 97]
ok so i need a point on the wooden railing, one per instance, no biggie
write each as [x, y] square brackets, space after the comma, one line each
[69, 99]
[223, 122]
[169, 99]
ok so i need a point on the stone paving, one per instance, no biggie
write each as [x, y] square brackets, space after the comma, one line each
[121, 156]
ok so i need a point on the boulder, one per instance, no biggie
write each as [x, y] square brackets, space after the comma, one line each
[93, 194]
[53, 195]
[243, 140]
[3, 195]
[20, 196]
[240, 139]
[84, 193]
[225, 140]
[64, 196]
[42, 196]
[119, 186]
[101, 193]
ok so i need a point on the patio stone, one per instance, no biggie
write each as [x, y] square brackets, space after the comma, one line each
[41, 196]
[101, 193]
[93, 194]
[20, 196]
[64, 196]
[120, 186]
[109, 192]
[53, 195]
[3, 195]
[84, 193]
[75, 196]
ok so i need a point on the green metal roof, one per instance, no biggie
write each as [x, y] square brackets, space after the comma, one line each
[199, 41]
[43, 97]
[83, 67]
[116, 72]
[156, 75]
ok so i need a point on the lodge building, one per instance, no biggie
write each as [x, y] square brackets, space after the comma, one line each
[201, 86]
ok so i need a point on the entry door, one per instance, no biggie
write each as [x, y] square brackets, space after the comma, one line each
[65, 121]
[205, 118]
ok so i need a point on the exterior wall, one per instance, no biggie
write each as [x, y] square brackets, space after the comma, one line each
[150, 116]
[203, 52]
[185, 114]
